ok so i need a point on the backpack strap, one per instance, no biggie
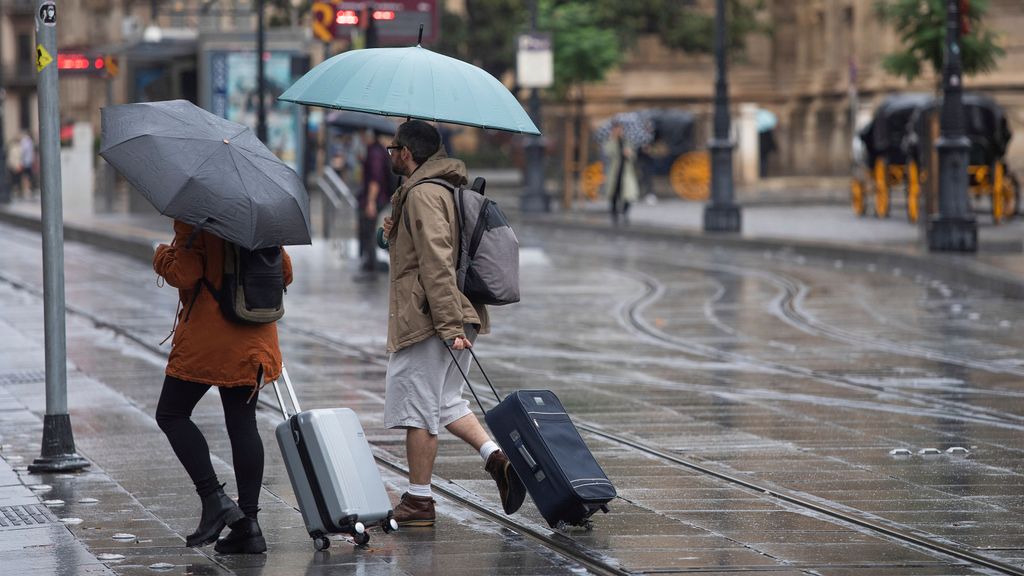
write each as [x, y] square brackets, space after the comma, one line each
[442, 183]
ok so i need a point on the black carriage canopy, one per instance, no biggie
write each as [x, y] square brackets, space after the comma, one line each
[673, 128]
[900, 114]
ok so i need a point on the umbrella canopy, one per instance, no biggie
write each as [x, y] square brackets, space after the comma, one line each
[347, 120]
[766, 120]
[411, 83]
[636, 127]
[202, 169]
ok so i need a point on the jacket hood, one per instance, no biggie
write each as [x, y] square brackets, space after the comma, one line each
[438, 166]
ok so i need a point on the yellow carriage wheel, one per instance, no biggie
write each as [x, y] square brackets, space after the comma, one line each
[690, 175]
[857, 197]
[593, 178]
[881, 189]
[913, 191]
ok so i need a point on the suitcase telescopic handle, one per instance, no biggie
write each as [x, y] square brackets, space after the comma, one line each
[291, 393]
[466, 378]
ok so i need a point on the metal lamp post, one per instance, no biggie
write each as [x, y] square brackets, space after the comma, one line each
[58, 451]
[535, 198]
[261, 79]
[954, 229]
[721, 214]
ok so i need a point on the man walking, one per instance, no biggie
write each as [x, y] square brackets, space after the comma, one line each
[427, 313]
[375, 194]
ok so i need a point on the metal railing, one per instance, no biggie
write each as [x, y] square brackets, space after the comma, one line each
[336, 195]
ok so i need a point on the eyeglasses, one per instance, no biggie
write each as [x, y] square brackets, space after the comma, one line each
[395, 148]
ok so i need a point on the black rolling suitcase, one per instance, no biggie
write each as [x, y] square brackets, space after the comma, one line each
[559, 471]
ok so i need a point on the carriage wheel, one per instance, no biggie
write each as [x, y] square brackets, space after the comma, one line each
[913, 191]
[881, 189]
[593, 178]
[857, 197]
[690, 175]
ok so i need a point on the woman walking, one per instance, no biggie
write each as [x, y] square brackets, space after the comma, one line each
[620, 179]
[210, 350]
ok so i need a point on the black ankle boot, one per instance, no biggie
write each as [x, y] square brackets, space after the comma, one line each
[245, 538]
[218, 512]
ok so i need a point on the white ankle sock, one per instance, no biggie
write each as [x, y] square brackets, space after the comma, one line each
[487, 449]
[423, 491]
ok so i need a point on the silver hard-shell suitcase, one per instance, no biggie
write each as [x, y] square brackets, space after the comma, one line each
[332, 471]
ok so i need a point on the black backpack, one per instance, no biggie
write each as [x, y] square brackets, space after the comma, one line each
[252, 290]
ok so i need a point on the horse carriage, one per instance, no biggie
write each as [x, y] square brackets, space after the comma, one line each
[896, 152]
[666, 145]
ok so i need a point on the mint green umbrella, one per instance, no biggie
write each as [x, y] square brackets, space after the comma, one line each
[411, 83]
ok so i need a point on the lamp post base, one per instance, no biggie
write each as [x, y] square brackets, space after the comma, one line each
[953, 235]
[58, 453]
[722, 218]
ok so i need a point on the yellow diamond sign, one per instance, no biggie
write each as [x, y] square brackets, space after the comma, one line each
[43, 58]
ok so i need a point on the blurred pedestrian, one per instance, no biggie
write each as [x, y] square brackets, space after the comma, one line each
[27, 148]
[766, 145]
[428, 314]
[210, 350]
[14, 165]
[620, 178]
[374, 196]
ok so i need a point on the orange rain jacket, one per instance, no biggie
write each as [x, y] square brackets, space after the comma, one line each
[207, 347]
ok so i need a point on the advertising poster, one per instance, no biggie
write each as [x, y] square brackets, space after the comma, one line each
[234, 97]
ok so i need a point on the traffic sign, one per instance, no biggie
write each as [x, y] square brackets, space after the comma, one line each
[323, 21]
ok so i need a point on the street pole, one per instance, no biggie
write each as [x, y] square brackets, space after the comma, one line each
[58, 451]
[954, 229]
[261, 80]
[109, 178]
[721, 214]
[535, 198]
[5, 190]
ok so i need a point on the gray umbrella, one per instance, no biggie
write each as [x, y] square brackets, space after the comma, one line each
[203, 169]
[348, 120]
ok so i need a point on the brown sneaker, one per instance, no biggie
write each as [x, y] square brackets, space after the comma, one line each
[415, 511]
[510, 487]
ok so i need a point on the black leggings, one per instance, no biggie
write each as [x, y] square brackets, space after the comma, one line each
[173, 415]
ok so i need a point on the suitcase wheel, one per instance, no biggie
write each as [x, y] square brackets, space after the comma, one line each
[359, 528]
[388, 525]
[361, 538]
[321, 543]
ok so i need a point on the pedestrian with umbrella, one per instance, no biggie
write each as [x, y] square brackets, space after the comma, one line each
[620, 180]
[431, 323]
[231, 200]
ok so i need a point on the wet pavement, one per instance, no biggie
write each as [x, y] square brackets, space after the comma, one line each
[759, 411]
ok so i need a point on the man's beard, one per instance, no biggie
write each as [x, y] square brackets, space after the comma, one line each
[397, 170]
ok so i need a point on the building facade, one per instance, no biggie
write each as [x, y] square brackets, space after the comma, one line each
[821, 58]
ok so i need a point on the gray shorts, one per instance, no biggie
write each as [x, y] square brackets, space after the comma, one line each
[423, 387]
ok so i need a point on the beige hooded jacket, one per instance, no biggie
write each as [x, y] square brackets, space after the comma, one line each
[424, 299]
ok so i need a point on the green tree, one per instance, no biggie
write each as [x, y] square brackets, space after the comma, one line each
[584, 51]
[486, 36]
[921, 25]
[679, 24]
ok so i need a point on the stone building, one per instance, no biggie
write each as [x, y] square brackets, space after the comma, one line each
[802, 73]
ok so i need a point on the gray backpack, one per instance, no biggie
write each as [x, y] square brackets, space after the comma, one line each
[488, 261]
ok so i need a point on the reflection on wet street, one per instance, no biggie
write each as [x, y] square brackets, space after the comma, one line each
[757, 411]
